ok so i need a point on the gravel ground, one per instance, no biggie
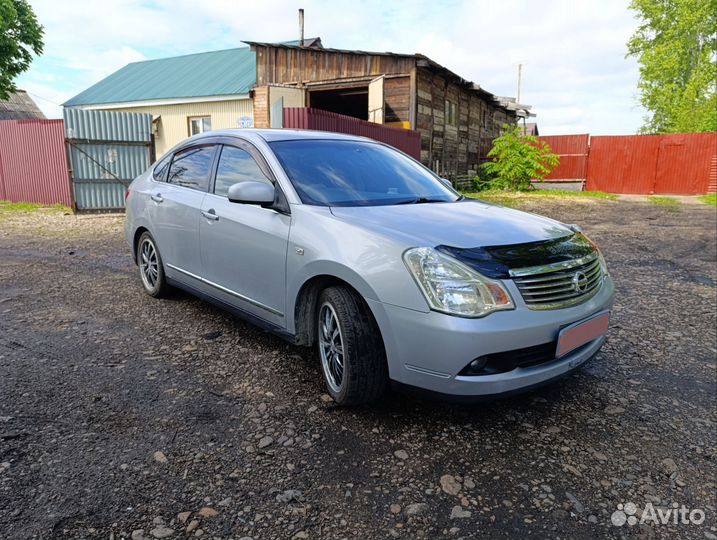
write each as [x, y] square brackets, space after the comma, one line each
[122, 416]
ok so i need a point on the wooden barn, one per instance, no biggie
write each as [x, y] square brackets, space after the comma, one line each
[456, 118]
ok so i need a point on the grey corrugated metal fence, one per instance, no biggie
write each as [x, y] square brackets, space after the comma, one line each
[107, 151]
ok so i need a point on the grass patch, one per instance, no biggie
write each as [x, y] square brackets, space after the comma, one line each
[516, 198]
[663, 201]
[710, 199]
[9, 207]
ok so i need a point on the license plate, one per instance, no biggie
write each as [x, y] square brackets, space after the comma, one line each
[583, 332]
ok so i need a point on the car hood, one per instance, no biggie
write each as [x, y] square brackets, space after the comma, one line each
[464, 224]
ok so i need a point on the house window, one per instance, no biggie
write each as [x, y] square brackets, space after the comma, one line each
[199, 124]
[451, 113]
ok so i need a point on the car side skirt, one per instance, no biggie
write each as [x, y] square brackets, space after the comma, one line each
[234, 310]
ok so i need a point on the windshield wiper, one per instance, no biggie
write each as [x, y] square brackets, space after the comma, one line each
[422, 200]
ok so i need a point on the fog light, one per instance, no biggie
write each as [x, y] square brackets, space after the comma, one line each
[477, 364]
[475, 367]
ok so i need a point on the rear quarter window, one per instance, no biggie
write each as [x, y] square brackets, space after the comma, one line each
[160, 169]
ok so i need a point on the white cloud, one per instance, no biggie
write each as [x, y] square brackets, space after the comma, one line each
[573, 53]
[100, 63]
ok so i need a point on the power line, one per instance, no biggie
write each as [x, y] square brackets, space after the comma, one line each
[44, 98]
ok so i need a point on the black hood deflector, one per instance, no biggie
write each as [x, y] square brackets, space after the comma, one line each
[496, 261]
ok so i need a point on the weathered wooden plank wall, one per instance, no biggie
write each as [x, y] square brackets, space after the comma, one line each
[397, 95]
[454, 149]
[293, 65]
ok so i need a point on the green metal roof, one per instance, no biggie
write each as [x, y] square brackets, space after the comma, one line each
[215, 73]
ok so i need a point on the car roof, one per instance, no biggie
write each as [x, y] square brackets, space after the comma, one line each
[273, 135]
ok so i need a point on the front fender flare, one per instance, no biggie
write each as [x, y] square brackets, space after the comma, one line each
[320, 268]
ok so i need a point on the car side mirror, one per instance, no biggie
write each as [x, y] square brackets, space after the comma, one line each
[251, 192]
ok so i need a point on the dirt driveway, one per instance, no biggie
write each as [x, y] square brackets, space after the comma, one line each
[127, 417]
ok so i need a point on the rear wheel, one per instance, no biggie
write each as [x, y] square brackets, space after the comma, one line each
[151, 270]
[353, 359]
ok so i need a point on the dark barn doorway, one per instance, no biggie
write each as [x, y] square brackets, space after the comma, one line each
[347, 101]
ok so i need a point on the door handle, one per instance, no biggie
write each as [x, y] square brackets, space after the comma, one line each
[210, 215]
[157, 198]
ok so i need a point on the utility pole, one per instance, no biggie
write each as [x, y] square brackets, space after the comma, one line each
[520, 77]
[301, 44]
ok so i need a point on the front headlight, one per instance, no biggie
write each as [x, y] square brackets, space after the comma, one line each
[451, 287]
[603, 264]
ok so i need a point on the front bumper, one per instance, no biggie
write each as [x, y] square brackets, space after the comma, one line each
[428, 350]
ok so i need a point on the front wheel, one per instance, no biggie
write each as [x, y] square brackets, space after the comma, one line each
[151, 269]
[353, 359]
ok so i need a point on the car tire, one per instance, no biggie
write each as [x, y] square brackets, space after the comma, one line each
[353, 358]
[151, 268]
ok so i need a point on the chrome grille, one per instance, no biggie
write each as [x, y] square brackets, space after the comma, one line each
[561, 284]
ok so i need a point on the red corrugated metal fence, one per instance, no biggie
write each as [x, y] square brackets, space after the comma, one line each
[712, 183]
[573, 152]
[676, 164]
[408, 141]
[33, 162]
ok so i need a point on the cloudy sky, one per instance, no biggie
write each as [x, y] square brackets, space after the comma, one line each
[573, 52]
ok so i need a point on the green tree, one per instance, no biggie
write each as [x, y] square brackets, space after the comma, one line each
[20, 37]
[676, 45]
[518, 159]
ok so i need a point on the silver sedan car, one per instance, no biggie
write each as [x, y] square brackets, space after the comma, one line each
[349, 245]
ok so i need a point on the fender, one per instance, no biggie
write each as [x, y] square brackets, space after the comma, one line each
[137, 223]
[322, 268]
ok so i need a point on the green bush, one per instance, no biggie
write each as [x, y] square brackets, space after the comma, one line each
[483, 180]
[518, 159]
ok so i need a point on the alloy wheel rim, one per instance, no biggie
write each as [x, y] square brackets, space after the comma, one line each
[331, 347]
[148, 264]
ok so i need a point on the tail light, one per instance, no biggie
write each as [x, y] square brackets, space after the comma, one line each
[126, 195]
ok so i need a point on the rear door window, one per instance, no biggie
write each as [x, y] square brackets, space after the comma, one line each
[236, 165]
[191, 167]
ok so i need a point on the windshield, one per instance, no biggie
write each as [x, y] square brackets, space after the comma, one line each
[356, 173]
